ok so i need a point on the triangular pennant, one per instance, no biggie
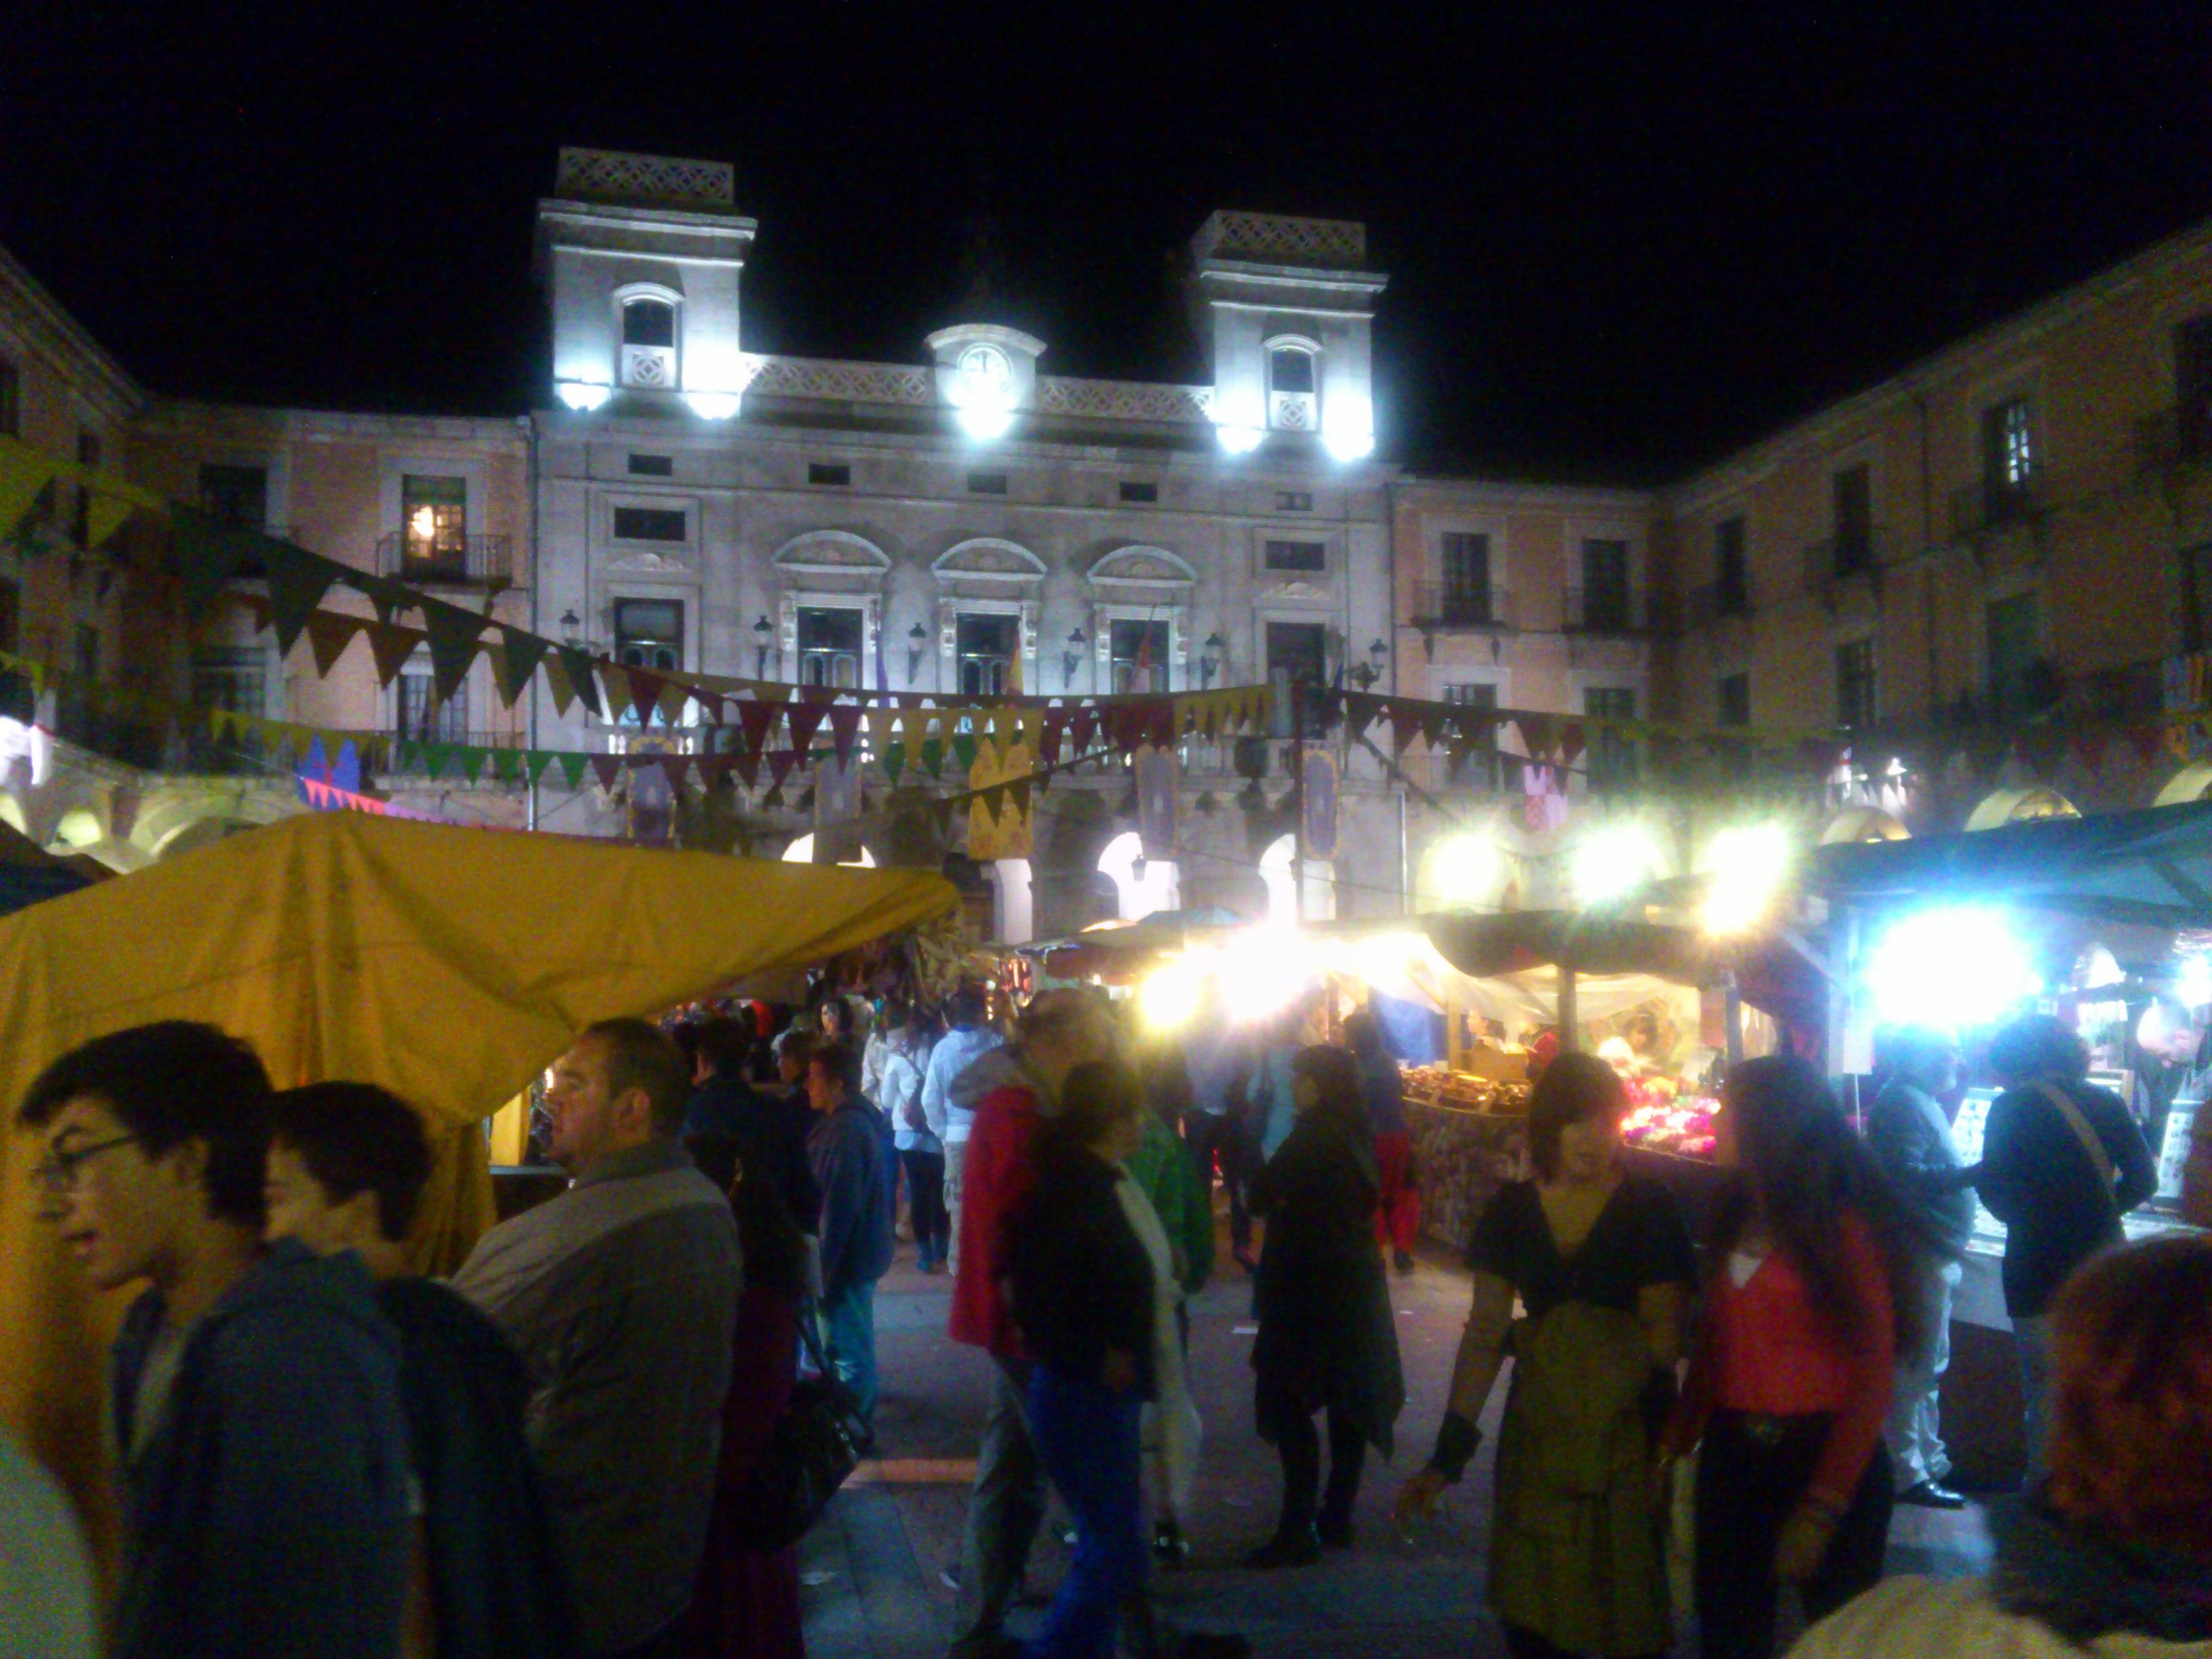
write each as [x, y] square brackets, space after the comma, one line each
[534, 763]
[608, 767]
[674, 698]
[472, 760]
[297, 582]
[456, 636]
[1539, 735]
[1083, 727]
[713, 770]
[519, 656]
[615, 689]
[393, 646]
[25, 475]
[558, 686]
[893, 755]
[578, 664]
[209, 554]
[964, 749]
[103, 516]
[746, 763]
[844, 727]
[1571, 742]
[390, 598]
[754, 719]
[329, 633]
[779, 766]
[1055, 724]
[1405, 725]
[435, 757]
[675, 769]
[805, 717]
[932, 757]
[572, 768]
[507, 765]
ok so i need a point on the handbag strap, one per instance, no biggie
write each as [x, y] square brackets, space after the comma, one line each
[2092, 1142]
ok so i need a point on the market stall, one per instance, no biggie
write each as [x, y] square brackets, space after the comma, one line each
[449, 964]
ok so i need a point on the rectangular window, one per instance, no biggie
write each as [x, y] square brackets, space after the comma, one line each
[987, 483]
[985, 645]
[2196, 598]
[653, 466]
[1733, 695]
[1606, 606]
[1296, 652]
[1855, 687]
[235, 494]
[1851, 506]
[2012, 624]
[1611, 754]
[833, 475]
[234, 679]
[1466, 560]
[11, 399]
[651, 523]
[1139, 492]
[649, 633]
[2008, 458]
[1139, 655]
[829, 646]
[1293, 500]
[2192, 383]
[426, 718]
[1479, 766]
[433, 516]
[1297, 555]
[1731, 569]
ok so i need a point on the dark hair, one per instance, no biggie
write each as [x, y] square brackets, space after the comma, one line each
[724, 1044]
[356, 1138]
[1335, 1075]
[840, 1061]
[170, 1082]
[769, 1240]
[640, 1056]
[1806, 1165]
[685, 1035]
[2040, 1046]
[965, 1009]
[1093, 1097]
[834, 1002]
[1363, 1033]
[898, 1015]
[1576, 1088]
[1642, 1022]
[1906, 1049]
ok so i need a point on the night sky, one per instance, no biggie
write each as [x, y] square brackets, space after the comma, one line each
[1622, 240]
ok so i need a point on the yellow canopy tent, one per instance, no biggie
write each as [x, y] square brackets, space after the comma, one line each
[449, 964]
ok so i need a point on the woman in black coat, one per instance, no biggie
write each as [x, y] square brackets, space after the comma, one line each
[1327, 1340]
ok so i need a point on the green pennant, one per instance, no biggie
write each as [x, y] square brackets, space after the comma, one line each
[435, 757]
[932, 757]
[577, 662]
[507, 765]
[894, 761]
[455, 637]
[25, 475]
[389, 596]
[405, 754]
[472, 760]
[774, 799]
[964, 749]
[297, 582]
[523, 652]
[572, 768]
[209, 554]
[537, 761]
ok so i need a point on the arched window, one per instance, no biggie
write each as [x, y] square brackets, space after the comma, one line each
[648, 341]
[1293, 403]
[649, 323]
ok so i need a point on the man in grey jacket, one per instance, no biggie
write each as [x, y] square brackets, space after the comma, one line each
[620, 1294]
[1909, 1130]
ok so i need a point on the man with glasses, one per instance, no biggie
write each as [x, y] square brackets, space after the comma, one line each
[261, 1452]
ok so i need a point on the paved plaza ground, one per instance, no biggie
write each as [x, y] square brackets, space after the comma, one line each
[872, 1589]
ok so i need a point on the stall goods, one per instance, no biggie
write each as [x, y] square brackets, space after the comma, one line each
[1663, 1123]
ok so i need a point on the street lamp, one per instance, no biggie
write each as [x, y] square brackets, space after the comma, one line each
[572, 627]
[1371, 671]
[1212, 655]
[1076, 639]
[917, 639]
[763, 633]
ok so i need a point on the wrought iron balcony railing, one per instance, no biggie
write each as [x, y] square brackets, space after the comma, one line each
[475, 562]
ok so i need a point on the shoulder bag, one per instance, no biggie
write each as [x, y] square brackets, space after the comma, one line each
[814, 1446]
[2092, 1142]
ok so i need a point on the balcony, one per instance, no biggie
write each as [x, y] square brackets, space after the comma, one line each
[1832, 564]
[1982, 510]
[1450, 605]
[1718, 602]
[1610, 610]
[478, 562]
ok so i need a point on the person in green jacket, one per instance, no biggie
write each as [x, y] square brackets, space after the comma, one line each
[1165, 1173]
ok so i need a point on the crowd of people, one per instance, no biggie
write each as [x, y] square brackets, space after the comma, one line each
[552, 1453]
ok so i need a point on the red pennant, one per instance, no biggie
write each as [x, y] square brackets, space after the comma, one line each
[609, 767]
[1539, 735]
[746, 763]
[1362, 711]
[779, 767]
[1160, 721]
[754, 719]
[1083, 727]
[714, 769]
[805, 718]
[1571, 742]
[1404, 724]
[844, 727]
[1055, 725]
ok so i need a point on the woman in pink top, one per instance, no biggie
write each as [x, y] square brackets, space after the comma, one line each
[1790, 1374]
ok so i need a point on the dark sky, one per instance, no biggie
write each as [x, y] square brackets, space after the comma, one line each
[1622, 238]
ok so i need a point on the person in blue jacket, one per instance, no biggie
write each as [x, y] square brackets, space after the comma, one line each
[852, 1170]
[255, 1393]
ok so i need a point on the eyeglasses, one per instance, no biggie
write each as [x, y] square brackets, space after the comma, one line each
[59, 1171]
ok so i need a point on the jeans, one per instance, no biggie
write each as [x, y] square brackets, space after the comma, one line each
[925, 1185]
[1087, 1436]
[1915, 1445]
[2032, 1336]
[848, 1326]
[1004, 1513]
[1218, 1135]
[1750, 1473]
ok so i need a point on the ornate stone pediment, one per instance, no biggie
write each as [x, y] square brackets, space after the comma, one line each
[1295, 591]
[832, 553]
[649, 562]
[1140, 566]
[988, 558]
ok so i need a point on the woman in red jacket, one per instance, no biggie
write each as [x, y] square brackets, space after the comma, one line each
[1791, 1375]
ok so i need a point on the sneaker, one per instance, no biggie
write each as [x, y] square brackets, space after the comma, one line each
[1295, 1549]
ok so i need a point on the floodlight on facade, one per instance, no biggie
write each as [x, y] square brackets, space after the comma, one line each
[582, 396]
[712, 405]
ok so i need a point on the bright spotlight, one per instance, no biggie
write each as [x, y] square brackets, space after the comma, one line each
[582, 396]
[2193, 984]
[1747, 866]
[984, 422]
[1613, 863]
[1240, 440]
[712, 405]
[1263, 970]
[1954, 967]
[1463, 872]
[1172, 993]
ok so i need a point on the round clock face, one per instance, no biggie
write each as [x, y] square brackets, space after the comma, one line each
[987, 370]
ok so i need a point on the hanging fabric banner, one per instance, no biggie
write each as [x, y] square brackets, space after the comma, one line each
[1155, 769]
[1318, 792]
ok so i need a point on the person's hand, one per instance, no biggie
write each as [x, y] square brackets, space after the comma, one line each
[1802, 1545]
[1119, 1374]
[1419, 1497]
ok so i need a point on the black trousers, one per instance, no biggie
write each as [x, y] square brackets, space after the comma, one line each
[1291, 1423]
[925, 1188]
[1750, 1473]
[1213, 1135]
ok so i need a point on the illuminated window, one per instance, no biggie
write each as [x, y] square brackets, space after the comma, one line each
[2008, 454]
[433, 516]
[985, 645]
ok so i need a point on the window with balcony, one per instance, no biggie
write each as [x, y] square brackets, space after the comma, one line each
[1731, 569]
[1139, 655]
[1854, 685]
[1606, 602]
[829, 646]
[2013, 646]
[1293, 404]
[235, 494]
[1851, 515]
[651, 523]
[649, 633]
[2008, 458]
[1732, 698]
[984, 645]
[648, 343]
[1479, 766]
[424, 716]
[1465, 558]
[1298, 652]
[1610, 755]
[11, 399]
[434, 517]
[1296, 555]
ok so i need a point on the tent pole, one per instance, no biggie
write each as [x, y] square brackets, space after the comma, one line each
[1570, 1017]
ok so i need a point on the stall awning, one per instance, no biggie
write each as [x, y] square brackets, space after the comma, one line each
[2152, 866]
